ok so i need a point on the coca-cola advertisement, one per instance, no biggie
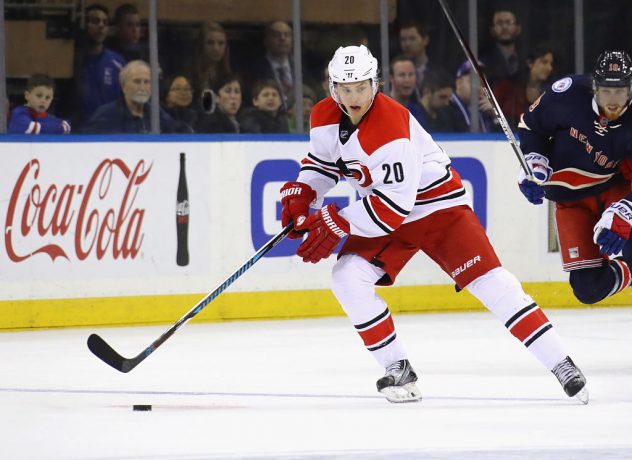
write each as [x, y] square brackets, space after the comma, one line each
[75, 212]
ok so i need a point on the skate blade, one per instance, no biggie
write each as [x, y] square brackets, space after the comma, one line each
[582, 395]
[405, 393]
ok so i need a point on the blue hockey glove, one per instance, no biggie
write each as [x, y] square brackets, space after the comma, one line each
[612, 231]
[533, 190]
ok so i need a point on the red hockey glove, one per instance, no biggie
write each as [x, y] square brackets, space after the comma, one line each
[295, 199]
[326, 228]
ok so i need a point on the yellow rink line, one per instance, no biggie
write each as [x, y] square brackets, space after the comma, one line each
[166, 309]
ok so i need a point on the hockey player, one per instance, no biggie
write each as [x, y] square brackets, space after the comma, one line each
[412, 200]
[577, 137]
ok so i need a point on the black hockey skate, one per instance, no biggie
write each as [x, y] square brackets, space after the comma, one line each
[398, 384]
[571, 379]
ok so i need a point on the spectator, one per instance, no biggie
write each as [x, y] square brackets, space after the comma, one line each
[460, 103]
[227, 102]
[33, 117]
[435, 99]
[414, 38]
[178, 103]
[212, 59]
[129, 114]
[503, 59]
[404, 85]
[309, 100]
[266, 115]
[127, 34]
[97, 67]
[323, 89]
[515, 95]
[277, 63]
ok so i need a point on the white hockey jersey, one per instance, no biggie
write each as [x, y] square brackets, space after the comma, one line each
[396, 167]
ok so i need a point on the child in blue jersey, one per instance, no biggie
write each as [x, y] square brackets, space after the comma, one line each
[33, 117]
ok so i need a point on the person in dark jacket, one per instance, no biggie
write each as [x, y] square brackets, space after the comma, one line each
[178, 103]
[130, 113]
[222, 108]
[266, 116]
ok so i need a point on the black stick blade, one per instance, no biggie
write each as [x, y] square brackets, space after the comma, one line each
[107, 354]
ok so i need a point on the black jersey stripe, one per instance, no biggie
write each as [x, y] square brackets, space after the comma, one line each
[330, 164]
[437, 182]
[537, 335]
[379, 317]
[334, 177]
[459, 193]
[390, 202]
[374, 217]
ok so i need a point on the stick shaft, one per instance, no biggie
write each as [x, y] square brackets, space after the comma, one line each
[488, 91]
[107, 354]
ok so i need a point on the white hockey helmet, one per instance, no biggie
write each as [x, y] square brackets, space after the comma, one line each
[352, 64]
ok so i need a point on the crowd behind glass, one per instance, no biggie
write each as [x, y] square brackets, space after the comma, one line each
[239, 78]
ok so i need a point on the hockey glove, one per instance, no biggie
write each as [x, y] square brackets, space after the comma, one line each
[296, 198]
[326, 228]
[612, 231]
[533, 190]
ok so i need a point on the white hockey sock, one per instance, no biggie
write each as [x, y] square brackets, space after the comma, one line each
[353, 284]
[501, 292]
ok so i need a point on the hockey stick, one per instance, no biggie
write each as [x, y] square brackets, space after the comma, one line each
[107, 354]
[488, 92]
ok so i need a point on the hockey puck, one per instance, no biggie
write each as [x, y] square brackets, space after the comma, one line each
[142, 407]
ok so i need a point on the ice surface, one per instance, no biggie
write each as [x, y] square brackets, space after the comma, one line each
[305, 389]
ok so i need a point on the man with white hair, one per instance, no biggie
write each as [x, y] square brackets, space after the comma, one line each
[412, 200]
[130, 113]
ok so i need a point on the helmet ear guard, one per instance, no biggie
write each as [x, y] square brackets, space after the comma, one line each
[352, 64]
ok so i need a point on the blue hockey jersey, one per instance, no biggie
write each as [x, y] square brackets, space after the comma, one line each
[584, 148]
[25, 120]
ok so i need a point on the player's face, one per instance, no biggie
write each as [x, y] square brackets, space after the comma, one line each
[39, 98]
[612, 101]
[356, 97]
[404, 79]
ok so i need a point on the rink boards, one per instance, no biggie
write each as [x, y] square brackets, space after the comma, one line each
[90, 231]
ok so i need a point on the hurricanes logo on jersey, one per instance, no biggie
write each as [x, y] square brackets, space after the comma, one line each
[359, 172]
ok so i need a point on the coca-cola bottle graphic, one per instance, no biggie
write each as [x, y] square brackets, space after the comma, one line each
[182, 216]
